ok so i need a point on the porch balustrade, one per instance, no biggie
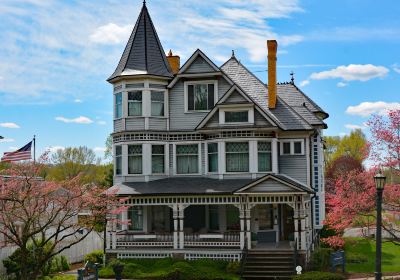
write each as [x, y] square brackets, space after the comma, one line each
[126, 240]
[227, 239]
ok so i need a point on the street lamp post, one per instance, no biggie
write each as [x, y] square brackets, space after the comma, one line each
[380, 184]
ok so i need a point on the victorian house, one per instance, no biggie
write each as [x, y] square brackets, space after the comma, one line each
[212, 161]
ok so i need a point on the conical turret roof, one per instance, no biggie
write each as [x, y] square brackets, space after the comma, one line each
[143, 54]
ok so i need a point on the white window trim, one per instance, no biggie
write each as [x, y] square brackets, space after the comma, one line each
[142, 91]
[250, 156]
[291, 141]
[250, 112]
[175, 161]
[143, 161]
[165, 103]
[185, 85]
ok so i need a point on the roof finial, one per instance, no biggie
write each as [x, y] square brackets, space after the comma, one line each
[144, 2]
[170, 52]
[292, 79]
[233, 53]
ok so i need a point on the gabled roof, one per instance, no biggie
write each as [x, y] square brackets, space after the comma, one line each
[143, 54]
[285, 116]
[274, 183]
[234, 88]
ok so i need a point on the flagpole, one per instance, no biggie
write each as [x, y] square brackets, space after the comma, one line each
[34, 148]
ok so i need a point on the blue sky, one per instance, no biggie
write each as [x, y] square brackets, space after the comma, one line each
[56, 55]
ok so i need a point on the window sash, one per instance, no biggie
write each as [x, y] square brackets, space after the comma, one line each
[286, 148]
[118, 105]
[135, 159]
[297, 147]
[135, 99]
[264, 156]
[118, 160]
[212, 157]
[157, 103]
[135, 214]
[236, 116]
[187, 159]
[237, 157]
[157, 159]
[200, 96]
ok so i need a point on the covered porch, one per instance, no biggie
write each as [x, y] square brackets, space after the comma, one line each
[247, 217]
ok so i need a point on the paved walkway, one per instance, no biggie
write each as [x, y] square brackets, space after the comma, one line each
[395, 277]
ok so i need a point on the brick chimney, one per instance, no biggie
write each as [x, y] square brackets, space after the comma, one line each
[272, 46]
[174, 61]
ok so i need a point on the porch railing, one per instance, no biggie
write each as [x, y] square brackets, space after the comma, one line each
[126, 239]
[227, 239]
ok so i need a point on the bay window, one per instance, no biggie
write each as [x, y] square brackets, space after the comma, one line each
[187, 159]
[212, 149]
[236, 116]
[157, 159]
[134, 103]
[264, 156]
[118, 160]
[118, 105]
[237, 156]
[157, 103]
[135, 159]
[200, 96]
[135, 215]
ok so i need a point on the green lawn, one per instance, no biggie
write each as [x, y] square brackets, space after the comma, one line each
[362, 250]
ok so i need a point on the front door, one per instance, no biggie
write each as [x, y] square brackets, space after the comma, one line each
[287, 229]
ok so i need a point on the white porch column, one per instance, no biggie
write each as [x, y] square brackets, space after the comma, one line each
[124, 218]
[296, 222]
[242, 225]
[181, 215]
[248, 225]
[176, 220]
[114, 235]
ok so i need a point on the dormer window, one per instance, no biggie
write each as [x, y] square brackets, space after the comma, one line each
[135, 103]
[236, 116]
[200, 95]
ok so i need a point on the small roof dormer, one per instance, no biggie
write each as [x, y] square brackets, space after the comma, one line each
[143, 54]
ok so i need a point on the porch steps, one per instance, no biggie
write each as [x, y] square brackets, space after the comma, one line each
[268, 264]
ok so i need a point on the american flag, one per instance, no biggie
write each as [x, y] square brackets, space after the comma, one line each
[21, 154]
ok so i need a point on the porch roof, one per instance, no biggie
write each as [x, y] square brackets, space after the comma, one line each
[270, 183]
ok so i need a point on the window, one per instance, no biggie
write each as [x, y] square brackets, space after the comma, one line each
[135, 159]
[237, 157]
[212, 157]
[118, 105]
[297, 148]
[232, 218]
[157, 103]
[213, 217]
[135, 215]
[286, 148]
[200, 97]
[135, 103]
[118, 160]
[187, 159]
[157, 159]
[238, 116]
[264, 156]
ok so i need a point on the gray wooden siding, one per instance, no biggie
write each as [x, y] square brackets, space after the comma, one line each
[214, 121]
[134, 123]
[235, 97]
[118, 125]
[260, 120]
[294, 166]
[157, 124]
[179, 120]
[199, 65]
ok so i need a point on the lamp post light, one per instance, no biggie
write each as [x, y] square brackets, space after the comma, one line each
[380, 180]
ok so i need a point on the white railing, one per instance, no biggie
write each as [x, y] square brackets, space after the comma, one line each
[227, 239]
[126, 240]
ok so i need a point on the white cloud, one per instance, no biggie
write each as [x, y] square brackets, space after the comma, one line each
[13, 148]
[9, 125]
[304, 83]
[99, 149]
[111, 33]
[341, 84]
[101, 122]
[352, 72]
[53, 149]
[78, 100]
[354, 126]
[365, 109]
[6, 140]
[81, 120]
[396, 68]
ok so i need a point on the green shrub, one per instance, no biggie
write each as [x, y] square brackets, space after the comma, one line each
[318, 275]
[94, 257]
[320, 259]
[233, 267]
[327, 232]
